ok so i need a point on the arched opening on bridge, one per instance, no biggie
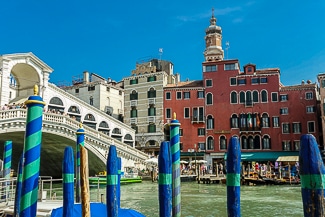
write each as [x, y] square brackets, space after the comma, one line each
[74, 113]
[117, 134]
[56, 105]
[128, 140]
[90, 121]
[23, 77]
[104, 128]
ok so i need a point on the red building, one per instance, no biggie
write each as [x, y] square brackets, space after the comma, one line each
[252, 104]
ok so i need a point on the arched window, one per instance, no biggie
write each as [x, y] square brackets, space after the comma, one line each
[242, 97]
[223, 143]
[257, 142]
[90, 121]
[249, 100]
[210, 122]
[234, 121]
[56, 101]
[265, 120]
[266, 142]
[233, 97]
[255, 96]
[133, 95]
[264, 96]
[152, 93]
[209, 99]
[134, 113]
[250, 142]
[103, 124]
[56, 105]
[103, 127]
[210, 143]
[244, 142]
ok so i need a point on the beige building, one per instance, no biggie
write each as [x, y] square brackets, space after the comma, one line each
[104, 94]
[143, 102]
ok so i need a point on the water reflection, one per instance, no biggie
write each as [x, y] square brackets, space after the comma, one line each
[201, 200]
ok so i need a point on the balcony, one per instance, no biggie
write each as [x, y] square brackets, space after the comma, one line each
[249, 103]
[250, 129]
[151, 119]
[134, 103]
[152, 101]
[133, 120]
[198, 119]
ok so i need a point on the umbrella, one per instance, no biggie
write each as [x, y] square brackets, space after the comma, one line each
[198, 161]
[202, 161]
[183, 162]
[152, 161]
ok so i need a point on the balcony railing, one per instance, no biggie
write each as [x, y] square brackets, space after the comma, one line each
[134, 102]
[198, 119]
[250, 129]
[151, 119]
[152, 101]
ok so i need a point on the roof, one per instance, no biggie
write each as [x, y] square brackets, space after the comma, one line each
[184, 84]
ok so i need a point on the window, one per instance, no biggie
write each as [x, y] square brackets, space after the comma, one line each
[296, 145]
[210, 143]
[244, 142]
[265, 121]
[186, 112]
[201, 131]
[133, 95]
[311, 127]
[309, 95]
[76, 90]
[209, 99]
[274, 97]
[241, 81]
[90, 88]
[134, 113]
[286, 146]
[275, 122]
[201, 145]
[151, 128]
[91, 100]
[248, 100]
[233, 97]
[200, 94]
[120, 92]
[263, 80]
[133, 81]
[296, 127]
[255, 96]
[284, 111]
[180, 132]
[223, 143]
[178, 95]
[151, 78]
[266, 143]
[186, 95]
[152, 111]
[285, 128]
[168, 96]
[107, 89]
[210, 122]
[233, 81]
[208, 83]
[323, 83]
[242, 97]
[310, 109]
[168, 113]
[255, 80]
[264, 96]
[283, 97]
[234, 121]
[211, 68]
[151, 93]
[231, 66]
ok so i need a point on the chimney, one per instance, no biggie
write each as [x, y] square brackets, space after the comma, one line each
[86, 77]
[302, 82]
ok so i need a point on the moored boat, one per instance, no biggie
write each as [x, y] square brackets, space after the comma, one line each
[126, 178]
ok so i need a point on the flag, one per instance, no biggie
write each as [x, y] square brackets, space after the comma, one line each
[249, 120]
[258, 122]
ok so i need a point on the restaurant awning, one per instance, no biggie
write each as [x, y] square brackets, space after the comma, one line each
[265, 156]
[288, 158]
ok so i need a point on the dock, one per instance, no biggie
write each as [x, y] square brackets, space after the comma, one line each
[212, 179]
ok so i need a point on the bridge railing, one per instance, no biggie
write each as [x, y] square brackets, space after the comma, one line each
[14, 120]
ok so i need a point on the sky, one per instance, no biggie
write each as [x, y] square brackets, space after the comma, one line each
[109, 37]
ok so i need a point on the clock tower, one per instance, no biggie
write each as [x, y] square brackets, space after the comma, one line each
[213, 41]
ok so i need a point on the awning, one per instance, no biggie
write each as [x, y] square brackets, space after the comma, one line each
[265, 156]
[288, 158]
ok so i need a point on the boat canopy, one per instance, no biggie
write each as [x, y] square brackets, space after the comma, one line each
[288, 158]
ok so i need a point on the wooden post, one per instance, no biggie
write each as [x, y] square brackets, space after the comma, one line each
[84, 174]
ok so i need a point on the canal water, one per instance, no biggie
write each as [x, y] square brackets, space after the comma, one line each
[210, 200]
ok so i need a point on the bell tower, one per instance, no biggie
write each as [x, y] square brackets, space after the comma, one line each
[213, 41]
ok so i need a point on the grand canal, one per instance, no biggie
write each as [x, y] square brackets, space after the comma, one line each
[202, 200]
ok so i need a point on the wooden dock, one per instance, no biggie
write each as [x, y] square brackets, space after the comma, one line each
[212, 179]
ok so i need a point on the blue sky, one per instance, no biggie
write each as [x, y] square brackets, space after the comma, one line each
[109, 37]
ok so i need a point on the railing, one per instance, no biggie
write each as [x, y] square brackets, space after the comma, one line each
[15, 120]
[198, 119]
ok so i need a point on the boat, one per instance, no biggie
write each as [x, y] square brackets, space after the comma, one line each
[127, 177]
